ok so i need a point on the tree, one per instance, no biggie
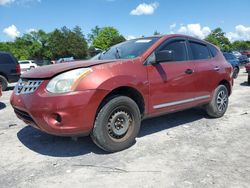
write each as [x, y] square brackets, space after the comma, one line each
[218, 38]
[94, 33]
[241, 45]
[156, 32]
[66, 43]
[107, 37]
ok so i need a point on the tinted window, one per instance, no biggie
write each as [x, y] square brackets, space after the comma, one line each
[23, 62]
[199, 51]
[213, 50]
[178, 49]
[128, 49]
[5, 58]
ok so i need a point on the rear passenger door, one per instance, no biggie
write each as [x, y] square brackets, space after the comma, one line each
[171, 83]
[206, 68]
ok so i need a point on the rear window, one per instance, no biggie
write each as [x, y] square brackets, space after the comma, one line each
[199, 51]
[6, 58]
[23, 62]
[213, 50]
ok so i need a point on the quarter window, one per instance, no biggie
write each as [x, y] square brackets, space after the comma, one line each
[199, 51]
[178, 49]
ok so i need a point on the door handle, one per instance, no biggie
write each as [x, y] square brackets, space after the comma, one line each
[216, 68]
[189, 71]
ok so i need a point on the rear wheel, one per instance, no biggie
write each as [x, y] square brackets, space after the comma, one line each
[219, 103]
[3, 82]
[117, 124]
[236, 72]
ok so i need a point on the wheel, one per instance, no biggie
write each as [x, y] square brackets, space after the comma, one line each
[219, 103]
[248, 80]
[236, 72]
[117, 124]
[3, 82]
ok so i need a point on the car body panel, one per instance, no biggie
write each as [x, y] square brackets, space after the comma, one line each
[164, 88]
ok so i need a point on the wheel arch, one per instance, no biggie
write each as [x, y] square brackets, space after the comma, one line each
[128, 91]
[227, 84]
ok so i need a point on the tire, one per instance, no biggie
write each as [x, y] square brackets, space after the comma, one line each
[236, 72]
[3, 82]
[117, 124]
[248, 80]
[219, 103]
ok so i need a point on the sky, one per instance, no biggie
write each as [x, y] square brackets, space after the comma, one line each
[133, 18]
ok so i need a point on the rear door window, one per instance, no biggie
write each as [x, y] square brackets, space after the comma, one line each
[199, 51]
[6, 59]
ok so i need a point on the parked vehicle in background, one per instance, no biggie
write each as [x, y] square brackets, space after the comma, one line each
[248, 71]
[131, 81]
[65, 59]
[236, 54]
[234, 62]
[26, 65]
[243, 59]
[246, 52]
[9, 69]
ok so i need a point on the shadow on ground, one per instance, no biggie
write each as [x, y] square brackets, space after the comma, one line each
[66, 147]
[245, 84]
[2, 105]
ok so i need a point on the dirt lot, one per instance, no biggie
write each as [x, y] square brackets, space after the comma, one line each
[185, 149]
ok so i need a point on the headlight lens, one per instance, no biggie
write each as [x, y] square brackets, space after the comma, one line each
[68, 81]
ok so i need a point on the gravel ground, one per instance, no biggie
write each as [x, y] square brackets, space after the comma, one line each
[184, 149]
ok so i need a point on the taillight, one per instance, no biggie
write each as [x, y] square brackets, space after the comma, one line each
[18, 69]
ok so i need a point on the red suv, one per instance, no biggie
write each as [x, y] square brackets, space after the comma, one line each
[109, 95]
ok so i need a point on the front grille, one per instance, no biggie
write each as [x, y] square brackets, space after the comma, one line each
[23, 115]
[27, 86]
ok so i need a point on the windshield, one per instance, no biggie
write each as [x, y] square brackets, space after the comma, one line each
[127, 50]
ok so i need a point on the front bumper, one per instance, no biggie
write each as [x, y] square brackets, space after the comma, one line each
[68, 114]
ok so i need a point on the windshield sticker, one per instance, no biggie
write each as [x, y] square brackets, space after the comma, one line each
[143, 41]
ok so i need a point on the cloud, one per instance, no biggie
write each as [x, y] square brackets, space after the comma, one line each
[241, 33]
[172, 26]
[130, 37]
[6, 2]
[195, 30]
[18, 2]
[145, 9]
[11, 31]
[31, 30]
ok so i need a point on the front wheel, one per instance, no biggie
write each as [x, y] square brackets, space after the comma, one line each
[219, 103]
[117, 124]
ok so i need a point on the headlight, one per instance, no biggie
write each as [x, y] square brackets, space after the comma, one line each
[68, 81]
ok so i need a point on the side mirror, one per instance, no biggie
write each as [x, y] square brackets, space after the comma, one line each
[164, 56]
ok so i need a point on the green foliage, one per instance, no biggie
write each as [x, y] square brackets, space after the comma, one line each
[107, 37]
[218, 38]
[156, 32]
[241, 45]
[66, 43]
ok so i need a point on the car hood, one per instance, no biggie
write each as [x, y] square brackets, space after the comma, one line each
[49, 71]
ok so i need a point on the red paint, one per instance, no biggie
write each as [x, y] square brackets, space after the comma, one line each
[247, 67]
[157, 84]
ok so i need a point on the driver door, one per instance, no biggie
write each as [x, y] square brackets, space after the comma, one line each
[171, 83]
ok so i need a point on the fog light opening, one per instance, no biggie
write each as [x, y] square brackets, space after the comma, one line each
[57, 118]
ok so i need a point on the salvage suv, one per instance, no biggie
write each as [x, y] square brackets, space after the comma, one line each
[108, 96]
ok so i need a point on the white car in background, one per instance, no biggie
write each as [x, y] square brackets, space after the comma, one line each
[26, 65]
